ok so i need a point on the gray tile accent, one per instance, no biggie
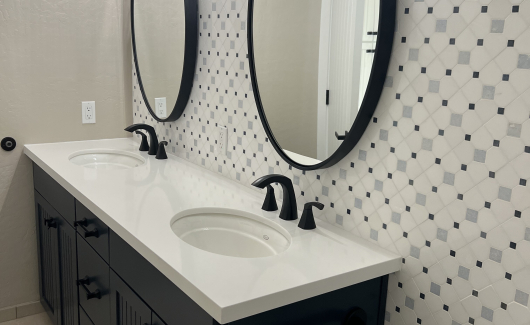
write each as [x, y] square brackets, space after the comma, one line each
[378, 185]
[358, 203]
[339, 219]
[505, 193]
[456, 120]
[396, 218]
[383, 135]
[521, 297]
[434, 86]
[435, 288]
[414, 54]
[497, 26]
[524, 61]
[488, 92]
[325, 190]
[464, 57]
[480, 156]
[449, 178]
[387, 316]
[296, 180]
[362, 155]
[463, 272]
[402, 166]
[441, 26]
[421, 199]
[374, 234]
[342, 173]
[415, 252]
[389, 82]
[409, 302]
[472, 215]
[527, 234]
[426, 144]
[487, 313]
[441, 234]
[495, 255]
[407, 111]
[514, 130]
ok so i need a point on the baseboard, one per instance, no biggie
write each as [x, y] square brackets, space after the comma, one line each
[20, 311]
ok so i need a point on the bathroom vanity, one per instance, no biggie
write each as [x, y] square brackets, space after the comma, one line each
[108, 253]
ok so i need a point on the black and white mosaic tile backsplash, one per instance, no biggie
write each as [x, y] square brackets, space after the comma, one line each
[440, 176]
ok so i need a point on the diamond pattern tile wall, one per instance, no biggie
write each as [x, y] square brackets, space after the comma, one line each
[440, 175]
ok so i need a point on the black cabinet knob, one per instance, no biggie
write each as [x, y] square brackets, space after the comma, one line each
[8, 144]
[83, 223]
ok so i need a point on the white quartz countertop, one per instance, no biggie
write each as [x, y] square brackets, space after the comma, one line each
[139, 204]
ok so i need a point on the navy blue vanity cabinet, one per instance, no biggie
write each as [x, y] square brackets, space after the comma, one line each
[57, 264]
[89, 275]
[127, 307]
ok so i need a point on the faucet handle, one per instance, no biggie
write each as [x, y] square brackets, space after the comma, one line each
[161, 153]
[144, 146]
[270, 200]
[307, 222]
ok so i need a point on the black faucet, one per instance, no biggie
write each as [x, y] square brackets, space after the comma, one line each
[289, 210]
[153, 147]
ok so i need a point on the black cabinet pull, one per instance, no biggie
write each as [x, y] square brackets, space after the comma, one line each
[50, 223]
[83, 223]
[89, 295]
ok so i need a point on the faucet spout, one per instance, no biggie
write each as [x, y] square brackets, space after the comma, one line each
[289, 210]
[153, 139]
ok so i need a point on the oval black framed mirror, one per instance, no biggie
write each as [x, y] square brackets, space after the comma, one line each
[318, 68]
[165, 40]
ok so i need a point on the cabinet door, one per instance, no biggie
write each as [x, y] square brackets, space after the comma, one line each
[47, 241]
[68, 273]
[126, 307]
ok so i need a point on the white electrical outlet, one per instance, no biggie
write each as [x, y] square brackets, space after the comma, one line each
[222, 140]
[160, 107]
[89, 112]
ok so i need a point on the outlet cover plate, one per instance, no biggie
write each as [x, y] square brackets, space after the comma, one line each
[161, 107]
[89, 112]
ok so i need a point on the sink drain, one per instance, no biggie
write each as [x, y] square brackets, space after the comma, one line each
[265, 237]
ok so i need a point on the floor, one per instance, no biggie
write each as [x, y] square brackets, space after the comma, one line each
[39, 319]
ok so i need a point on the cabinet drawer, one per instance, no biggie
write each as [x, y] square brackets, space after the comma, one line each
[55, 194]
[127, 307]
[83, 318]
[93, 283]
[95, 231]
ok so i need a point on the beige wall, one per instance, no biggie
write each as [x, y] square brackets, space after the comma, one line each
[53, 55]
[286, 42]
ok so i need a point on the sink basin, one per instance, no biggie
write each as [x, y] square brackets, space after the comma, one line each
[230, 232]
[106, 159]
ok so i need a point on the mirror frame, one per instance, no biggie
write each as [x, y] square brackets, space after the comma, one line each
[383, 52]
[191, 43]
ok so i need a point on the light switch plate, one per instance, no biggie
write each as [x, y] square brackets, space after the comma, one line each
[89, 112]
[160, 107]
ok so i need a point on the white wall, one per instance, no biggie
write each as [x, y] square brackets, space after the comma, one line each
[53, 55]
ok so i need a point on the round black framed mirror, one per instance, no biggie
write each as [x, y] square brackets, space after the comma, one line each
[165, 41]
[318, 68]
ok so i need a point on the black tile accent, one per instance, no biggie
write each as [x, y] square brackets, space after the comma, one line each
[479, 264]
[515, 9]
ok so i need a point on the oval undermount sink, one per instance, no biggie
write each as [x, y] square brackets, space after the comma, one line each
[230, 232]
[106, 159]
